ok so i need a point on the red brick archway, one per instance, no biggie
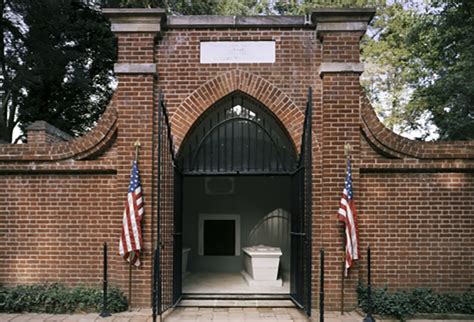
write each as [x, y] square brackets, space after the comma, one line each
[290, 115]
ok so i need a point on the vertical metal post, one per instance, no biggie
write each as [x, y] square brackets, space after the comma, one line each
[368, 317]
[130, 280]
[156, 262]
[105, 313]
[343, 276]
[155, 280]
[308, 190]
[158, 219]
[321, 285]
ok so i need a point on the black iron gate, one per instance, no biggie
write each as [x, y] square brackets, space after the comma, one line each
[258, 135]
[237, 136]
[178, 235]
[167, 254]
[301, 218]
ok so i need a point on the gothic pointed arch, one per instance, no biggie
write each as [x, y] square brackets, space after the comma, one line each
[237, 134]
[280, 104]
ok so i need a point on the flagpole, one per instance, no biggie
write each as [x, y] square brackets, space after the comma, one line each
[347, 152]
[132, 255]
[343, 268]
[137, 146]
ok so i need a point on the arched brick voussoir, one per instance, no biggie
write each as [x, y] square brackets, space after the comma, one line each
[222, 85]
[81, 148]
[397, 146]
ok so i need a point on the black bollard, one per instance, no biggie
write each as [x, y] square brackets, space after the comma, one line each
[369, 317]
[155, 284]
[105, 313]
[321, 285]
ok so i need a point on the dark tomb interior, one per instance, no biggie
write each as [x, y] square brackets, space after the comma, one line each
[219, 237]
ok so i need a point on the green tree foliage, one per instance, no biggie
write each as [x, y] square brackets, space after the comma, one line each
[239, 7]
[420, 67]
[419, 59]
[202, 7]
[294, 7]
[11, 51]
[388, 76]
[69, 62]
[443, 59]
[63, 73]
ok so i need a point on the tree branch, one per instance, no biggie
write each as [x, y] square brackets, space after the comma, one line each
[21, 137]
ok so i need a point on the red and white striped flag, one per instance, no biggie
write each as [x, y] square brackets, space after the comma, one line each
[131, 238]
[348, 215]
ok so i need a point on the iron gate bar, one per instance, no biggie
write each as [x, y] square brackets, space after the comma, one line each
[156, 261]
[297, 254]
[248, 137]
[232, 146]
[242, 174]
[177, 236]
[301, 221]
[297, 234]
[159, 242]
[263, 146]
[210, 146]
[218, 145]
[242, 136]
[217, 126]
[154, 264]
[164, 295]
[272, 133]
[230, 122]
[238, 174]
[309, 198]
[321, 285]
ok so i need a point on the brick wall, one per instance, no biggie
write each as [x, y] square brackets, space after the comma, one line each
[420, 227]
[61, 201]
[52, 226]
[417, 212]
[190, 87]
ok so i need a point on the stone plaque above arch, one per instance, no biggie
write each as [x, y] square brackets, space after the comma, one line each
[253, 85]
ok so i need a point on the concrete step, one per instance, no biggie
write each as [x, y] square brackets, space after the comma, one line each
[234, 303]
[203, 296]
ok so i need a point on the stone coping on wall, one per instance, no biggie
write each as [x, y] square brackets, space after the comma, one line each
[238, 22]
[331, 67]
[85, 147]
[126, 68]
[341, 20]
[342, 14]
[44, 126]
[135, 19]
[150, 20]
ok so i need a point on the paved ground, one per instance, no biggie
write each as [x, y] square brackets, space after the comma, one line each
[189, 314]
[200, 314]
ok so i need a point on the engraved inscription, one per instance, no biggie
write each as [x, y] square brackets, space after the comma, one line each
[225, 52]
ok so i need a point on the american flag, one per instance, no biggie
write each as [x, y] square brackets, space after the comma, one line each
[348, 215]
[131, 238]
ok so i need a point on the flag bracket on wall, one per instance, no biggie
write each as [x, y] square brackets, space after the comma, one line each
[347, 150]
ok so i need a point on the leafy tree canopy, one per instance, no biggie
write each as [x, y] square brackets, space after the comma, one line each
[56, 59]
[442, 60]
[62, 74]
[11, 50]
[388, 69]
[238, 7]
[202, 7]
